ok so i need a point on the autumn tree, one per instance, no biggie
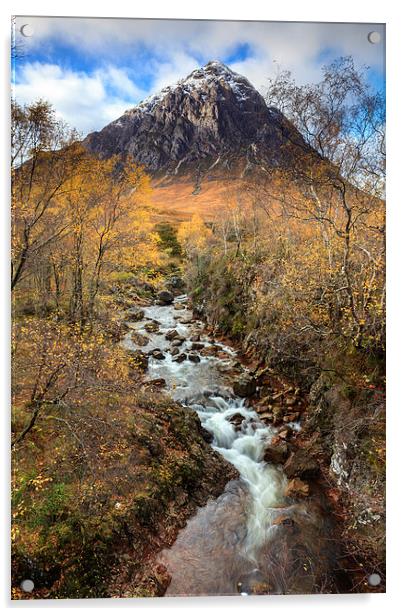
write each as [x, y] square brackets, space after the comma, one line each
[339, 172]
[39, 153]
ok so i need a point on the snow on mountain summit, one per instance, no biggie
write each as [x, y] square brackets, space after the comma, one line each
[200, 80]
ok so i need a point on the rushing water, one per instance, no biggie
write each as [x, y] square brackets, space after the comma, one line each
[251, 539]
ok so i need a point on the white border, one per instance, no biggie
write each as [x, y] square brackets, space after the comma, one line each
[341, 10]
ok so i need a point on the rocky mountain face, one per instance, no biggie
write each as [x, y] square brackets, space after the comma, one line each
[214, 115]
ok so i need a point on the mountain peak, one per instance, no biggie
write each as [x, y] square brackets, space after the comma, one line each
[212, 113]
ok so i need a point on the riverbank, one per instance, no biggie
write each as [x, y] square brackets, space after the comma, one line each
[337, 448]
[105, 480]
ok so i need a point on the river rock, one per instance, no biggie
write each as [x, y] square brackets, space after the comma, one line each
[276, 454]
[156, 383]
[151, 327]
[136, 314]
[172, 333]
[206, 435]
[210, 350]
[165, 297]
[157, 354]
[186, 320]
[177, 342]
[236, 419]
[195, 338]
[197, 346]
[301, 464]
[138, 359]
[194, 358]
[139, 339]
[174, 351]
[265, 416]
[180, 358]
[245, 386]
[296, 487]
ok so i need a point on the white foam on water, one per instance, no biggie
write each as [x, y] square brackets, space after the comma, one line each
[242, 445]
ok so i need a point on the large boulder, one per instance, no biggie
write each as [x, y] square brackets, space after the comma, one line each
[245, 386]
[301, 464]
[165, 297]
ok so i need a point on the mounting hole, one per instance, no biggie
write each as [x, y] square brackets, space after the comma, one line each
[374, 579]
[27, 585]
[374, 37]
[26, 30]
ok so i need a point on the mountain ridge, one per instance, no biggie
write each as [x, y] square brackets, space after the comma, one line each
[213, 117]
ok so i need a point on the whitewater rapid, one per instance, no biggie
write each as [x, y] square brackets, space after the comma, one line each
[224, 547]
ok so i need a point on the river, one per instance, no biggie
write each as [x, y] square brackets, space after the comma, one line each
[252, 539]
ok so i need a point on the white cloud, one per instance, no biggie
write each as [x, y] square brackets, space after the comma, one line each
[83, 101]
[170, 49]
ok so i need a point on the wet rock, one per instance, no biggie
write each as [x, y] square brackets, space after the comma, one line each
[157, 354]
[171, 334]
[197, 346]
[296, 487]
[156, 383]
[267, 417]
[177, 342]
[206, 435]
[136, 314]
[301, 464]
[174, 351]
[165, 297]
[284, 434]
[276, 454]
[237, 419]
[209, 351]
[139, 339]
[195, 338]
[186, 320]
[245, 386]
[194, 358]
[138, 360]
[180, 358]
[152, 327]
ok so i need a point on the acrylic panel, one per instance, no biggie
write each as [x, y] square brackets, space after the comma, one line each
[198, 298]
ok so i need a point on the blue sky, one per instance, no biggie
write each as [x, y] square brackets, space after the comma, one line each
[92, 70]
